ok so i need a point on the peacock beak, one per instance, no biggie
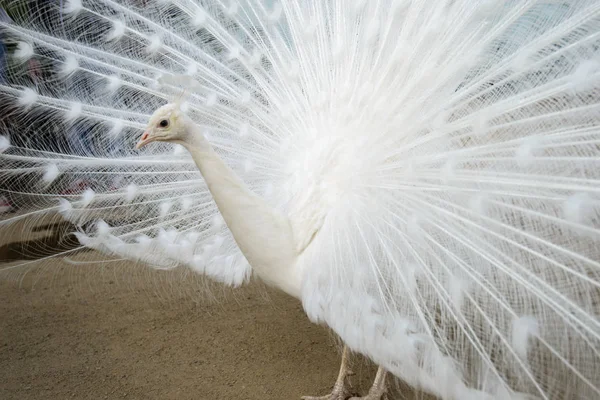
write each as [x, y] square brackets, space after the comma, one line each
[145, 139]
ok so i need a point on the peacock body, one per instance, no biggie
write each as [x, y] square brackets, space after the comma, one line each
[438, 163]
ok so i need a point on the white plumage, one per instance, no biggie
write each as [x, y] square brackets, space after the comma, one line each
[422, 175]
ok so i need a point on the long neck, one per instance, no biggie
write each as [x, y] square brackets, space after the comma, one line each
[262, 233]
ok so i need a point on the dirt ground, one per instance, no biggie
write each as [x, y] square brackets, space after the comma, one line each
[117, 330]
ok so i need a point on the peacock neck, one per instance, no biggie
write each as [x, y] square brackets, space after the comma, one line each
[262, 233]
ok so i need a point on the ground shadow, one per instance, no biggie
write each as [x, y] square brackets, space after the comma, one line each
[59, 240]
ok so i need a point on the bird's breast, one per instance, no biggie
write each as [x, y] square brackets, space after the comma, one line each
[321, 175]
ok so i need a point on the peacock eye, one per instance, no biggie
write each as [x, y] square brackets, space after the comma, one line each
[164, 123]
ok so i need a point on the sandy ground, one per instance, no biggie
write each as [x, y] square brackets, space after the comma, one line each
[118, 330]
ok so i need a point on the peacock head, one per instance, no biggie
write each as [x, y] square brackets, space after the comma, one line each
[167, 124]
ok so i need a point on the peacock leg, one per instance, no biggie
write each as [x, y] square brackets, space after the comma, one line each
[340, 389]
[378, 389]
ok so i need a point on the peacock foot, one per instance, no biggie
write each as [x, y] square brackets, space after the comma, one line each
[338, 393]
[379, 389]
[340, 389]
[371, 396]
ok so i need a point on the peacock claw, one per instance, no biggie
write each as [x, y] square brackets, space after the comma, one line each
[379, 389]
[340, 389]
[370, 397]
[337, 394]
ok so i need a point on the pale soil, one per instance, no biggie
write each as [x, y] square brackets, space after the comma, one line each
[124, 331]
